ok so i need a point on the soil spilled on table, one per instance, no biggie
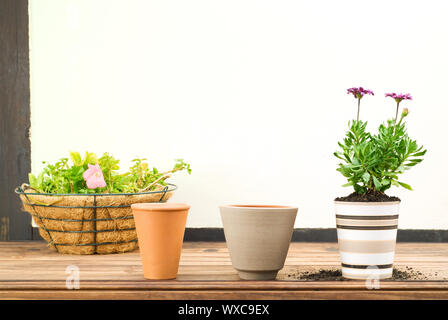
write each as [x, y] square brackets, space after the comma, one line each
[406, 273]
[369, 196]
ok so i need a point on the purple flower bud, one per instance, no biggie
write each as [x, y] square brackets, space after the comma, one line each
[405, 112]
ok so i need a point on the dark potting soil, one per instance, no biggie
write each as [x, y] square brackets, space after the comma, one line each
[369, 196]
[407, 273]
[321, 275]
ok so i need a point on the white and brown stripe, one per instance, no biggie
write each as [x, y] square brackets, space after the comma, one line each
[367, 222]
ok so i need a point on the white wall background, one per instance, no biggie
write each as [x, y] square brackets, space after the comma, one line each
[250, 92]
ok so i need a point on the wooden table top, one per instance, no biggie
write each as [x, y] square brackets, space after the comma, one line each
[30, 270]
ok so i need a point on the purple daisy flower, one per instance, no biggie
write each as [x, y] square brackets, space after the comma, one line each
[398, 97]
[358, 93]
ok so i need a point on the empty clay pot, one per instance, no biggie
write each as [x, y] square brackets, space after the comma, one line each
[160, 231]
[258, 238]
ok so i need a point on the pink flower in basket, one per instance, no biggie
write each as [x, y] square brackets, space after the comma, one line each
[94, 177]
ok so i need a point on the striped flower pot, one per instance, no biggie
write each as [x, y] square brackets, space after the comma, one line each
[367, 233]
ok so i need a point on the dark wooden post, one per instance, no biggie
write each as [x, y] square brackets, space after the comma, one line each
[15, 160]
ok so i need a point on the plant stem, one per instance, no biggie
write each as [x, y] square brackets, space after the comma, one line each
[148, 188]
[171, 171]
[396, 113]
[359, 103]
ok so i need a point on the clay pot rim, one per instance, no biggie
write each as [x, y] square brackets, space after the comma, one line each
[258, 206]
[147, 206]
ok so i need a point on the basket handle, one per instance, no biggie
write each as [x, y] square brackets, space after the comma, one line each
[164, 193]
[22, 188]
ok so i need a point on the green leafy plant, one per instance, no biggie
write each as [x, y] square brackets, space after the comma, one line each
[372, 163]
[66, 177]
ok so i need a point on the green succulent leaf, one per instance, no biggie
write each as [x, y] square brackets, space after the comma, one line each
[76, 158]
[377, 183]
[404, 185]
[366, 177]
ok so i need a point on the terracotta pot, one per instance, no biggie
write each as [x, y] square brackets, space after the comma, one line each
[160, 231]
[367, 233]
[258, 238]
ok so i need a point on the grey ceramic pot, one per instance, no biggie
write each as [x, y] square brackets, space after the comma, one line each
[258, 238]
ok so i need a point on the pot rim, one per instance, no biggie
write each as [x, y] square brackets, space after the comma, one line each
[258, 206]
[159, 206]
[369, 203]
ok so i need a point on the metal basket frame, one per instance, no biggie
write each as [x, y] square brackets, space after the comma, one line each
[19, 190]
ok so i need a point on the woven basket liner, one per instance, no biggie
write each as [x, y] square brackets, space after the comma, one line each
[75, 243]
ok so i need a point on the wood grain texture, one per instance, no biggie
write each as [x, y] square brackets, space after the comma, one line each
[30, 270]
[225, 295]
[15, 149]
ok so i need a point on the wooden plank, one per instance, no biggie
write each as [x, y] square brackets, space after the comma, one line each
[31, 270]
[15, 163]
[308, 235]
[118, 285]
[223, 295]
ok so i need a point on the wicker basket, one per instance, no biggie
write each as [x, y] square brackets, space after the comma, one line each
[88, 223]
